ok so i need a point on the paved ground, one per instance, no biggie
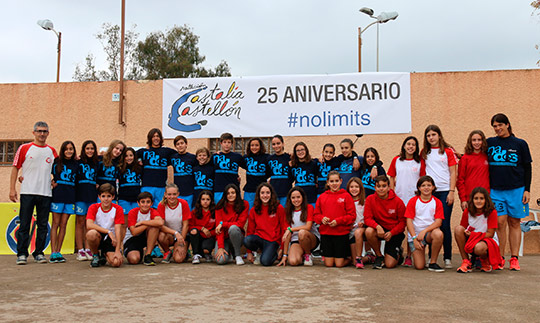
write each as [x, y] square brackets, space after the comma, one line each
[184, 292]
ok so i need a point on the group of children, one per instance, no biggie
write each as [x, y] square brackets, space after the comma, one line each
[294, 204]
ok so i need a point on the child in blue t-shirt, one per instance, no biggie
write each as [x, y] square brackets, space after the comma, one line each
[329, 163]
[203, 173]
[279, 169]
[255, 161]
[183, 163]
[226, 165]
[371, 163]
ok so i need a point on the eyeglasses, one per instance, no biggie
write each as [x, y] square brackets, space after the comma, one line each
[41, 131]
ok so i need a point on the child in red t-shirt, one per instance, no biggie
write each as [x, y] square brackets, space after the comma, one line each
[202, 226]
[104, 224]
[335, 212]
[424, 218]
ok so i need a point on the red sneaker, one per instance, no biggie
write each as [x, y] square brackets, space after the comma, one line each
[486, 266]
[500, 266]
[514, 264]
[466, 266]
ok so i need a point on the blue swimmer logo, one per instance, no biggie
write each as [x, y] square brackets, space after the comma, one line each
[324, 170]
[131, 176]
[181, 168]
[109, 171]
[154, 159]
[67, 175]
[175, 114]
[89, 172]
[11, 234]
[345, 168]
[302, 177]
[501, 155]
[202, 180]
[222, 162]
[253, 167]
[278, 168]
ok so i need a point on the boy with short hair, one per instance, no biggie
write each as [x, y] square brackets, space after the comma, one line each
[226, 164]
[183, 164]
[144, 224]
[104, 224]
[384, 215]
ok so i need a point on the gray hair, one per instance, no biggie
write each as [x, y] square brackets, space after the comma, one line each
[42, 124]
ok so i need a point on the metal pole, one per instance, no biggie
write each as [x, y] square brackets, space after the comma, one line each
[378, 47]
[359, 49]
[122, 31]
[58, 63]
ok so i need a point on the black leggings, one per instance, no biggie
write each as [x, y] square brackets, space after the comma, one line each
[200, 243]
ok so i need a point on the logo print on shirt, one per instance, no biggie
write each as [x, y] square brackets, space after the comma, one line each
[341, 200]
[391, 211]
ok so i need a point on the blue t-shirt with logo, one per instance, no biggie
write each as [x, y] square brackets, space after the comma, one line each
[86, 182]
[346, 169]
[255, 171]
[155, 162]
[325, 168]
[183, 172]
[226, 169]
[506, 157]
[305, 176]
[107, 174]
[367, 181]
[279, 173]
[129, 185]
[204, 179]
[64, 192]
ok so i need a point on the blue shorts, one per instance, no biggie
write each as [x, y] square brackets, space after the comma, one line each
[81, 208]
[157, 194]
[188, 199]
[250, 197]
[127, 206]
[63, 208]
[424, 243]
[509, 202]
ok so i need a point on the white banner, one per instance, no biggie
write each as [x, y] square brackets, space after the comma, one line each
[291, 105]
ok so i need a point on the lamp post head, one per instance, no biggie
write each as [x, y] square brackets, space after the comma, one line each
[387, 16]
[367, 11]
[46, 24]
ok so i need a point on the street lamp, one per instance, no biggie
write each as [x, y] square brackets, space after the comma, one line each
[48, 25]
[383, 17]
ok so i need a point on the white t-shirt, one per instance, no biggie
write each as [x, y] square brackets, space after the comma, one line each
[36, 163]
[406, 173]
[480, 224]
[297, 223]
[438, 167]
[359, 217]
[108, 219]
[423, 213]
[140, 217]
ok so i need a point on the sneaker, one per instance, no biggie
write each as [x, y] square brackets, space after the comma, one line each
[435, 267]
[257, 260]
[486, 266]
[95, 261]
[378, 263]
[196, 259]
[60, 258]
[514, 264]
[308, 259]
[81, 255]
[466, 266]
[40, 259]
[448, 264]
[21, 260]
[148, 261]
[102, 259]
[167, 257]
[400, 256]
[208, 257]
[500, 266]
[156, 252]
[359, 263]
[89, 255]
[240, 261]
[53, 258]
[407, 262]
[371, 257]
[316, 253]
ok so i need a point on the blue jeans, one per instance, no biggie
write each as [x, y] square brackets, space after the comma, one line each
[269, 248]
[27, 204]
[445, 227]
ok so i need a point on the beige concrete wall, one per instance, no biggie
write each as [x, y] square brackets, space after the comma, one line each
[458, 102]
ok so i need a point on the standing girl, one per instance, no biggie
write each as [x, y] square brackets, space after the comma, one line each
[255, 161]
[108, 164]
[371, 168]
[266, 224]
[86, 193]
[231, 217]
[479, 218]
[424, 216]
[328, 163]
[335, 212]
[357, 234]
[176, 214]
[129, 182]
[441, 165]
[473, 168]
[279, 169]
[63, 197]
[348, 162]
[304, 171]
[510, 172]
[203, 172]
[301, 235]
[202, 227]
[404, 172]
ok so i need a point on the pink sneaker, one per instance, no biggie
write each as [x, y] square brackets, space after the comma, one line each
[308, 259]
[359, 263]
[407, 262]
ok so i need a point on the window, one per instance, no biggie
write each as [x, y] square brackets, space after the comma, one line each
[8, 148]
[240, 144]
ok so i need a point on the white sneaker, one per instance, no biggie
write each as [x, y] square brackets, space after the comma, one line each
[239, 260]
[308, 260]
[447, 263]
[257, 260]
[81, 255]
[89, 255]
[196, 259]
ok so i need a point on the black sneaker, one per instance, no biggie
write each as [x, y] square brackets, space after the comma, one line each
[102, 259]
[436, 268]
[378, 264]
[95, 261]
[400, 256]
[148, 261]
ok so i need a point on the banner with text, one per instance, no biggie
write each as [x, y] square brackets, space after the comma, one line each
[293, 105]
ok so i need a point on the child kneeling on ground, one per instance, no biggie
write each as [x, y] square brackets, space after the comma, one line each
[424, 218]
[384, 216]
[144, 223]
[104, 224]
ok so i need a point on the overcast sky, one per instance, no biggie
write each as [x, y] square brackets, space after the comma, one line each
[281, 36]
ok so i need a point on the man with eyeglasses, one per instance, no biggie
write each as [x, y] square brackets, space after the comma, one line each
[35, 160]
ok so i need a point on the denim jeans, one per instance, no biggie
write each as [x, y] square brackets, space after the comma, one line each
[232, 244]
[268, 248]
[27, 204]
[445, 227]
